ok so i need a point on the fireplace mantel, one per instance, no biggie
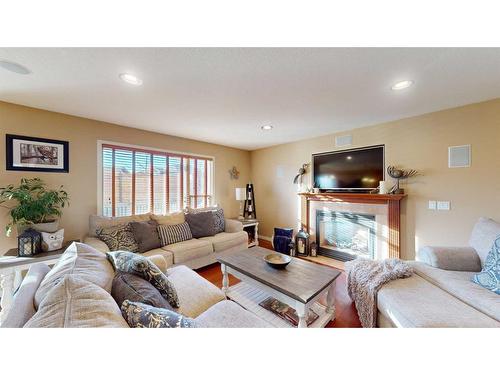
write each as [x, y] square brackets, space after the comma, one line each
[391, 200]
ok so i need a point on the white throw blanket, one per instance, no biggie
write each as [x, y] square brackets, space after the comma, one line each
[365, 278]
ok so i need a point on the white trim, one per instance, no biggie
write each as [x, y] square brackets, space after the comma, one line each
[101, 142]
[266, 238]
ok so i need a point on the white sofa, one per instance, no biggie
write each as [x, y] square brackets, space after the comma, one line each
[441, 293]
[199, 299]
[194, 253]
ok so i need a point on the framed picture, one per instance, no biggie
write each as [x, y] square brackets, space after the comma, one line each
[36, 154]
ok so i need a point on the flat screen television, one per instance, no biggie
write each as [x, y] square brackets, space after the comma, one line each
[354, 170]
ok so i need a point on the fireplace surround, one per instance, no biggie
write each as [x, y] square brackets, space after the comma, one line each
[384, 207]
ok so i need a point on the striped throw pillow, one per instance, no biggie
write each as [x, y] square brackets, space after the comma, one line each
[170, 234]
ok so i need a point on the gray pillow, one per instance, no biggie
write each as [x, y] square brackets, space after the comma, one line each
[139, 315]
[127, 286]
[118, 237]
[141, 266]
[146, 235]
[202, 224]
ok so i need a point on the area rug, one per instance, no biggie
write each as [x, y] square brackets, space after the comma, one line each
[285, 312]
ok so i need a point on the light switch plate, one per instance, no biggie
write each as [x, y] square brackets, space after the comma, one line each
[432, 205]
[443, 205]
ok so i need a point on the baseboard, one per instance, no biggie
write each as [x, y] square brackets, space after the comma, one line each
[265, 238]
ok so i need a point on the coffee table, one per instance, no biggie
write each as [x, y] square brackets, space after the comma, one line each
[299, 285]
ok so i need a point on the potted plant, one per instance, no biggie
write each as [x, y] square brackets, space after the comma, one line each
[37, 207]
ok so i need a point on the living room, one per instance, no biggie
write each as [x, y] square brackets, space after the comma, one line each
[250, 186]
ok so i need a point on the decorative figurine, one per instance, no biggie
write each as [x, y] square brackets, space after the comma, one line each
[399, 174]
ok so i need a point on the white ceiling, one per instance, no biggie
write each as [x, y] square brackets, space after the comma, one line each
[224, 95]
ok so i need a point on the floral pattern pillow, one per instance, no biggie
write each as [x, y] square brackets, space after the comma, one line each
[118, 237]
[141, 266]
[140, 315]
[489, 277]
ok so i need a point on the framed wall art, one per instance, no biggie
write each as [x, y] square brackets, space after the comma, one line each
[36, 154]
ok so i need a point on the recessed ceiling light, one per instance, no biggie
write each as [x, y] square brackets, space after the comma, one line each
[14, 67]
[401, 85]
[266, 127]
[130, 78]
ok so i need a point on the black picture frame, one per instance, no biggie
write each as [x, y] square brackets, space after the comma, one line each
[9, 157]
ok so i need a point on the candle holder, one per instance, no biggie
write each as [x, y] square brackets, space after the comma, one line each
[29, 243]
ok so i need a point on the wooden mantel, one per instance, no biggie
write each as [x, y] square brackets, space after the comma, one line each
[391, 200]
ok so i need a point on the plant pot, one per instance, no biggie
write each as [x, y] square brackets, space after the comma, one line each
[49, 227]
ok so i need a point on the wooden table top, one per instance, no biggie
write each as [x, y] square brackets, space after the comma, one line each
[300, 280]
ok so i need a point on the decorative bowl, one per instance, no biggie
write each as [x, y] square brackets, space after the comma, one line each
[277, 260]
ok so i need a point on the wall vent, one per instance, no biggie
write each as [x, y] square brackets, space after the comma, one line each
[343, 140]
[459, 156]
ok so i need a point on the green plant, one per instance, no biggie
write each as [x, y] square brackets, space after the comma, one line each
[35, 203]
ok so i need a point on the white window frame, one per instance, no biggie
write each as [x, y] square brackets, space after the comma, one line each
[100, 143]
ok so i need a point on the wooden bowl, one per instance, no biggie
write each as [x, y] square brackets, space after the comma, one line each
[277, 260]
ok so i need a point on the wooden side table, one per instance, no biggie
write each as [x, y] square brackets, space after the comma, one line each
[251, 226]
[12, 266]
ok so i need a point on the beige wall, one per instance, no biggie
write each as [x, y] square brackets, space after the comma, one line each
[81, 182]
[421, 143]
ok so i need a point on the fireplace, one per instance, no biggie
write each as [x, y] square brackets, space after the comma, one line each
[346, 235]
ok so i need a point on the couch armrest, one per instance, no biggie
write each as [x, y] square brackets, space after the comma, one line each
[160, 262]
[450, 258]
[233, 226]
[96, 243]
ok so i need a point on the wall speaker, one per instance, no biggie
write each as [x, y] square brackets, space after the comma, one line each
[459, 156]
[343, 140]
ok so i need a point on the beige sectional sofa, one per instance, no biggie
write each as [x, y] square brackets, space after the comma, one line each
[87, 302]
[194, 253]
[441, 293]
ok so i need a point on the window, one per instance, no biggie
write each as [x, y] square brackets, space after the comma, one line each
[138, 181]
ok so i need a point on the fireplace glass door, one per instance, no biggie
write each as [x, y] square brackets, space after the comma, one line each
[345, 235]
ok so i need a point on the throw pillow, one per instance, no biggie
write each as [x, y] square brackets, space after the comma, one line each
[201, 224]
[170, 234]
[118, 237]
[127, 286]
[141, 266]
[218, 212]
[146, 235]
[489, 277]
[139, 315]
[77, 303]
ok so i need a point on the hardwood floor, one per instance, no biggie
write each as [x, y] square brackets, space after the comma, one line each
[346, 315]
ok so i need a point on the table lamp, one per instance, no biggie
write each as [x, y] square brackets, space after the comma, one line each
[241, 195]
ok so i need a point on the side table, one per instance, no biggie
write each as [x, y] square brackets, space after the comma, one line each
[251, 226]
[12, 266]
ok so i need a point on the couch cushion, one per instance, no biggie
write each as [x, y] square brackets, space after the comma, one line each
[460, 285]
[218, 214]
[77, 303]
[170, 234]
[167, 255]
[81, 260]
[187, 250]
[22, 308]
[202, 224]
[196, 294]
[170, 219]
[118, 237]
[484, 233]
[223, 241]
[227, 314]
[97, 221]
[415, 302]
[135, 289]
[146, 235]
[139, 265]
[140, 315]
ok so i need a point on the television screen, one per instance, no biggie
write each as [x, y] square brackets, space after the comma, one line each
[358, 169]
